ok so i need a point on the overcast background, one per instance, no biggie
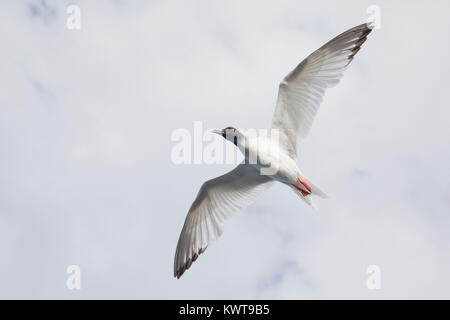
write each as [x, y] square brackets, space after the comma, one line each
[86, 176]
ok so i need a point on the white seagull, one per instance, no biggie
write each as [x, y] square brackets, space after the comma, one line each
[299, 96]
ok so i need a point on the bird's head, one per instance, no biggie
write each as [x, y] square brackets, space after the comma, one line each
[229, 133]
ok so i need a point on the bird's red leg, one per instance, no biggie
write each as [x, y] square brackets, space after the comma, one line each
[306, 191]
[304, 183]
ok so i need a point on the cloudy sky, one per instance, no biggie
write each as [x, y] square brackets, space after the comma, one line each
[86, 176]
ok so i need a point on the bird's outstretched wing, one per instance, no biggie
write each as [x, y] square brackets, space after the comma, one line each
[216, 200]
[301, 91]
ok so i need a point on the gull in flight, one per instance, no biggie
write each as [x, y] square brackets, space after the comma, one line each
[299, 96]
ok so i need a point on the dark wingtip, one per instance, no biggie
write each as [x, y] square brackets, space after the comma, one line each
[365, 29]
[188, 263]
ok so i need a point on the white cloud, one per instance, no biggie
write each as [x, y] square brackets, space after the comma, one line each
[85, 174]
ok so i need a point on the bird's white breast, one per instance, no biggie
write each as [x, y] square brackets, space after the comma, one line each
[267, 156]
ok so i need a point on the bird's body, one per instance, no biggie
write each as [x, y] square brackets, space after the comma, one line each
[268, 154]
[272, 157]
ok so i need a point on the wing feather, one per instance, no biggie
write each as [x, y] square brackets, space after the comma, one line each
[217, 200]
[301, 91]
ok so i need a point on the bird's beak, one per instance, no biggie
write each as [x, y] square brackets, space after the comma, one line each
[219, 132]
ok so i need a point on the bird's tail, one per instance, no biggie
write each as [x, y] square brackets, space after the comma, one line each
[305, 189]
[315, 190]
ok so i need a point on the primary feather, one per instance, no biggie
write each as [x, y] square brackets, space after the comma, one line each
[217, 200]
[301, 91]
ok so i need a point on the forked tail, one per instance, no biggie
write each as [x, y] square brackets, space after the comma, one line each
[305, 188]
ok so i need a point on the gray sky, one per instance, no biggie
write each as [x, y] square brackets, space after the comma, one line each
[86, 176]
